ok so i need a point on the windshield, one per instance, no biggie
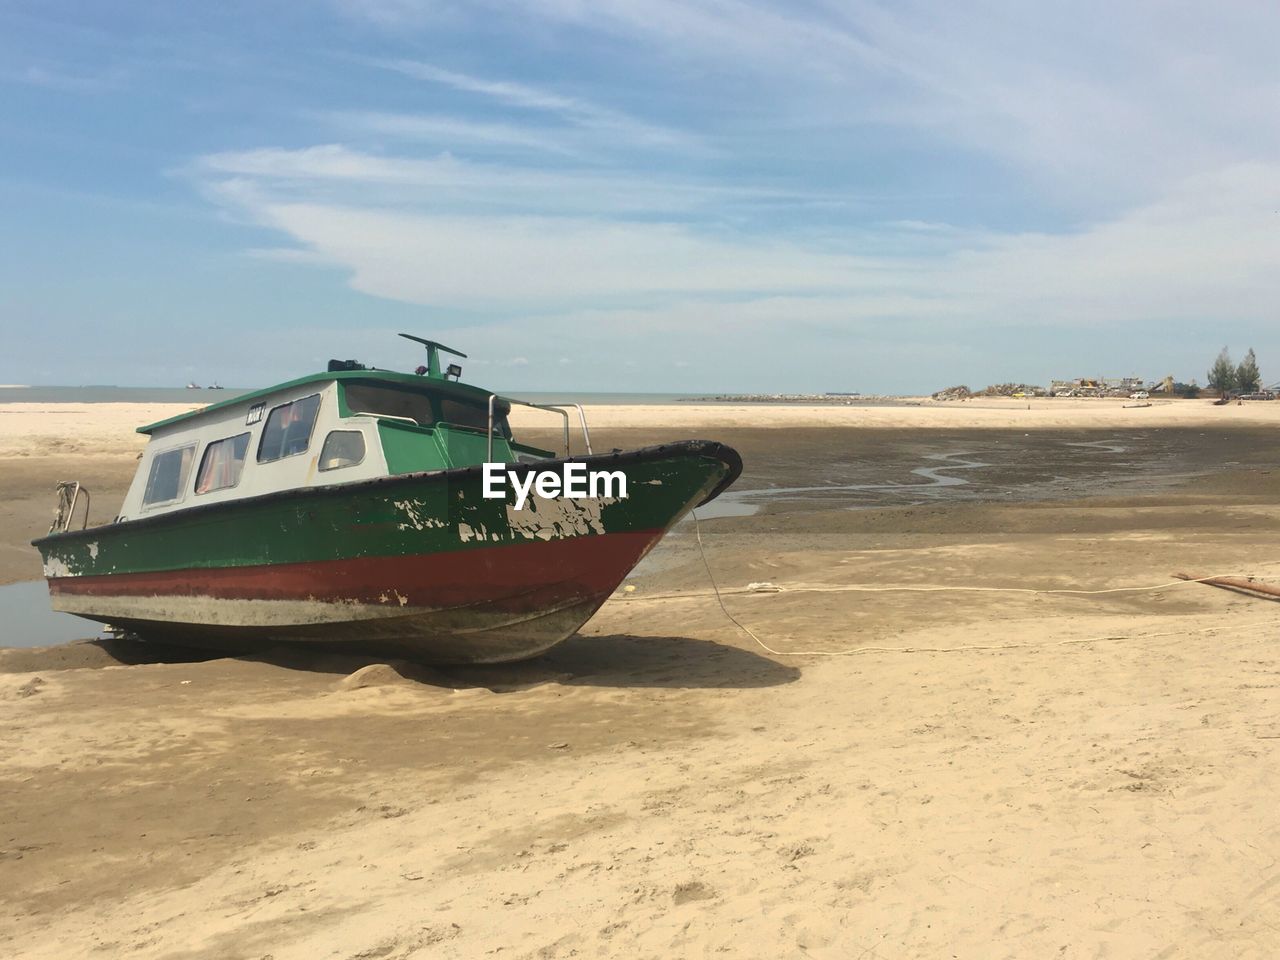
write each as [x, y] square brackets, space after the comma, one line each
[388, 402]
[424, 408]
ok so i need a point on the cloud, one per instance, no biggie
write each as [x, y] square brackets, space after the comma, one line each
[451, 131]
[573, 110]
[515, 94]
[1207, 249]
[444, 181]
[503, 261]
[1094, 101]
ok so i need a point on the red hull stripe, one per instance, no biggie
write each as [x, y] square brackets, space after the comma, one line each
[493, 576]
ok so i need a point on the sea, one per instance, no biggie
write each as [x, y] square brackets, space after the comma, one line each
[17, 393]
[13, 393]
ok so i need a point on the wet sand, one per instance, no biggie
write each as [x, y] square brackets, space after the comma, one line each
[979, 774]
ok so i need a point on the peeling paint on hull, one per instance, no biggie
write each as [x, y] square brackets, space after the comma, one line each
[421, 565]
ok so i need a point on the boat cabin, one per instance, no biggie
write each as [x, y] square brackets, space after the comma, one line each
[348, 424]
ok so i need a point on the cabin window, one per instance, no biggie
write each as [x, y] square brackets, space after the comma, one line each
[475, 416]
[288, 429]
[168, 475]
[382, 401]
[342, 448]
[222, 463]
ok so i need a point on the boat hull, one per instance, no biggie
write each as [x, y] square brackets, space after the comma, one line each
[419, 565]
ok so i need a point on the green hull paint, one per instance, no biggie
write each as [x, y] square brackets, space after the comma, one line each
[426, 513]
[414, 449]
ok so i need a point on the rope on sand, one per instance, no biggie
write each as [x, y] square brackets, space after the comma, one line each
[855, 651]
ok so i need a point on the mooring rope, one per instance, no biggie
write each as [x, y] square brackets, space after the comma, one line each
[697, 529]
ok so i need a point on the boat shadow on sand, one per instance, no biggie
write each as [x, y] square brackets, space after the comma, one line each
[618, 660]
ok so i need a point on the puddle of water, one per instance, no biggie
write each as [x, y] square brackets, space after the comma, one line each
[745, 503]
[1019, 470]
[953, 462]
[1103, 445]
[29, 622]
[725, 506]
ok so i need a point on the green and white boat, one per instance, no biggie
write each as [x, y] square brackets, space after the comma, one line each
[349, 508]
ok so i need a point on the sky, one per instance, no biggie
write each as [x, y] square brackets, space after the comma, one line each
[666, 196]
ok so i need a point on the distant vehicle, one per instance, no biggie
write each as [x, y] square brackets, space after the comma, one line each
[1139, 395]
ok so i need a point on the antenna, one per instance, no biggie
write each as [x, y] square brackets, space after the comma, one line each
[433, 354]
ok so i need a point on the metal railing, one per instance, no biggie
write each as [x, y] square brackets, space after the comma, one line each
[560, 408]
[68, 496]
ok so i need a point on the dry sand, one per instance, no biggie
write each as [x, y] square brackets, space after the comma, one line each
[966, 774]
[107, 429]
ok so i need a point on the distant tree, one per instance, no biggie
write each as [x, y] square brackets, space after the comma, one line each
[1222, 375]
[1248, 379]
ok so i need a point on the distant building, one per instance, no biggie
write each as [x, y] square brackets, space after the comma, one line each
[1096, 387]
[1079, 387]
[1125, 385]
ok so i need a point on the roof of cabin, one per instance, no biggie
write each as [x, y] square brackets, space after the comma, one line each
[461, 391]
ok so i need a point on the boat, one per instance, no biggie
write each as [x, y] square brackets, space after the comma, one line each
[376, 510]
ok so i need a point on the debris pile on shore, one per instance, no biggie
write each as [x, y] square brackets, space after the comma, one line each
[995, 390]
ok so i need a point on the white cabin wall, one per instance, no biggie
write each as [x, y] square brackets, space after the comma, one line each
[300, 470]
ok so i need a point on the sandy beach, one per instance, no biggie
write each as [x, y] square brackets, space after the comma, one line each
[877, 772]
[107, 429]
